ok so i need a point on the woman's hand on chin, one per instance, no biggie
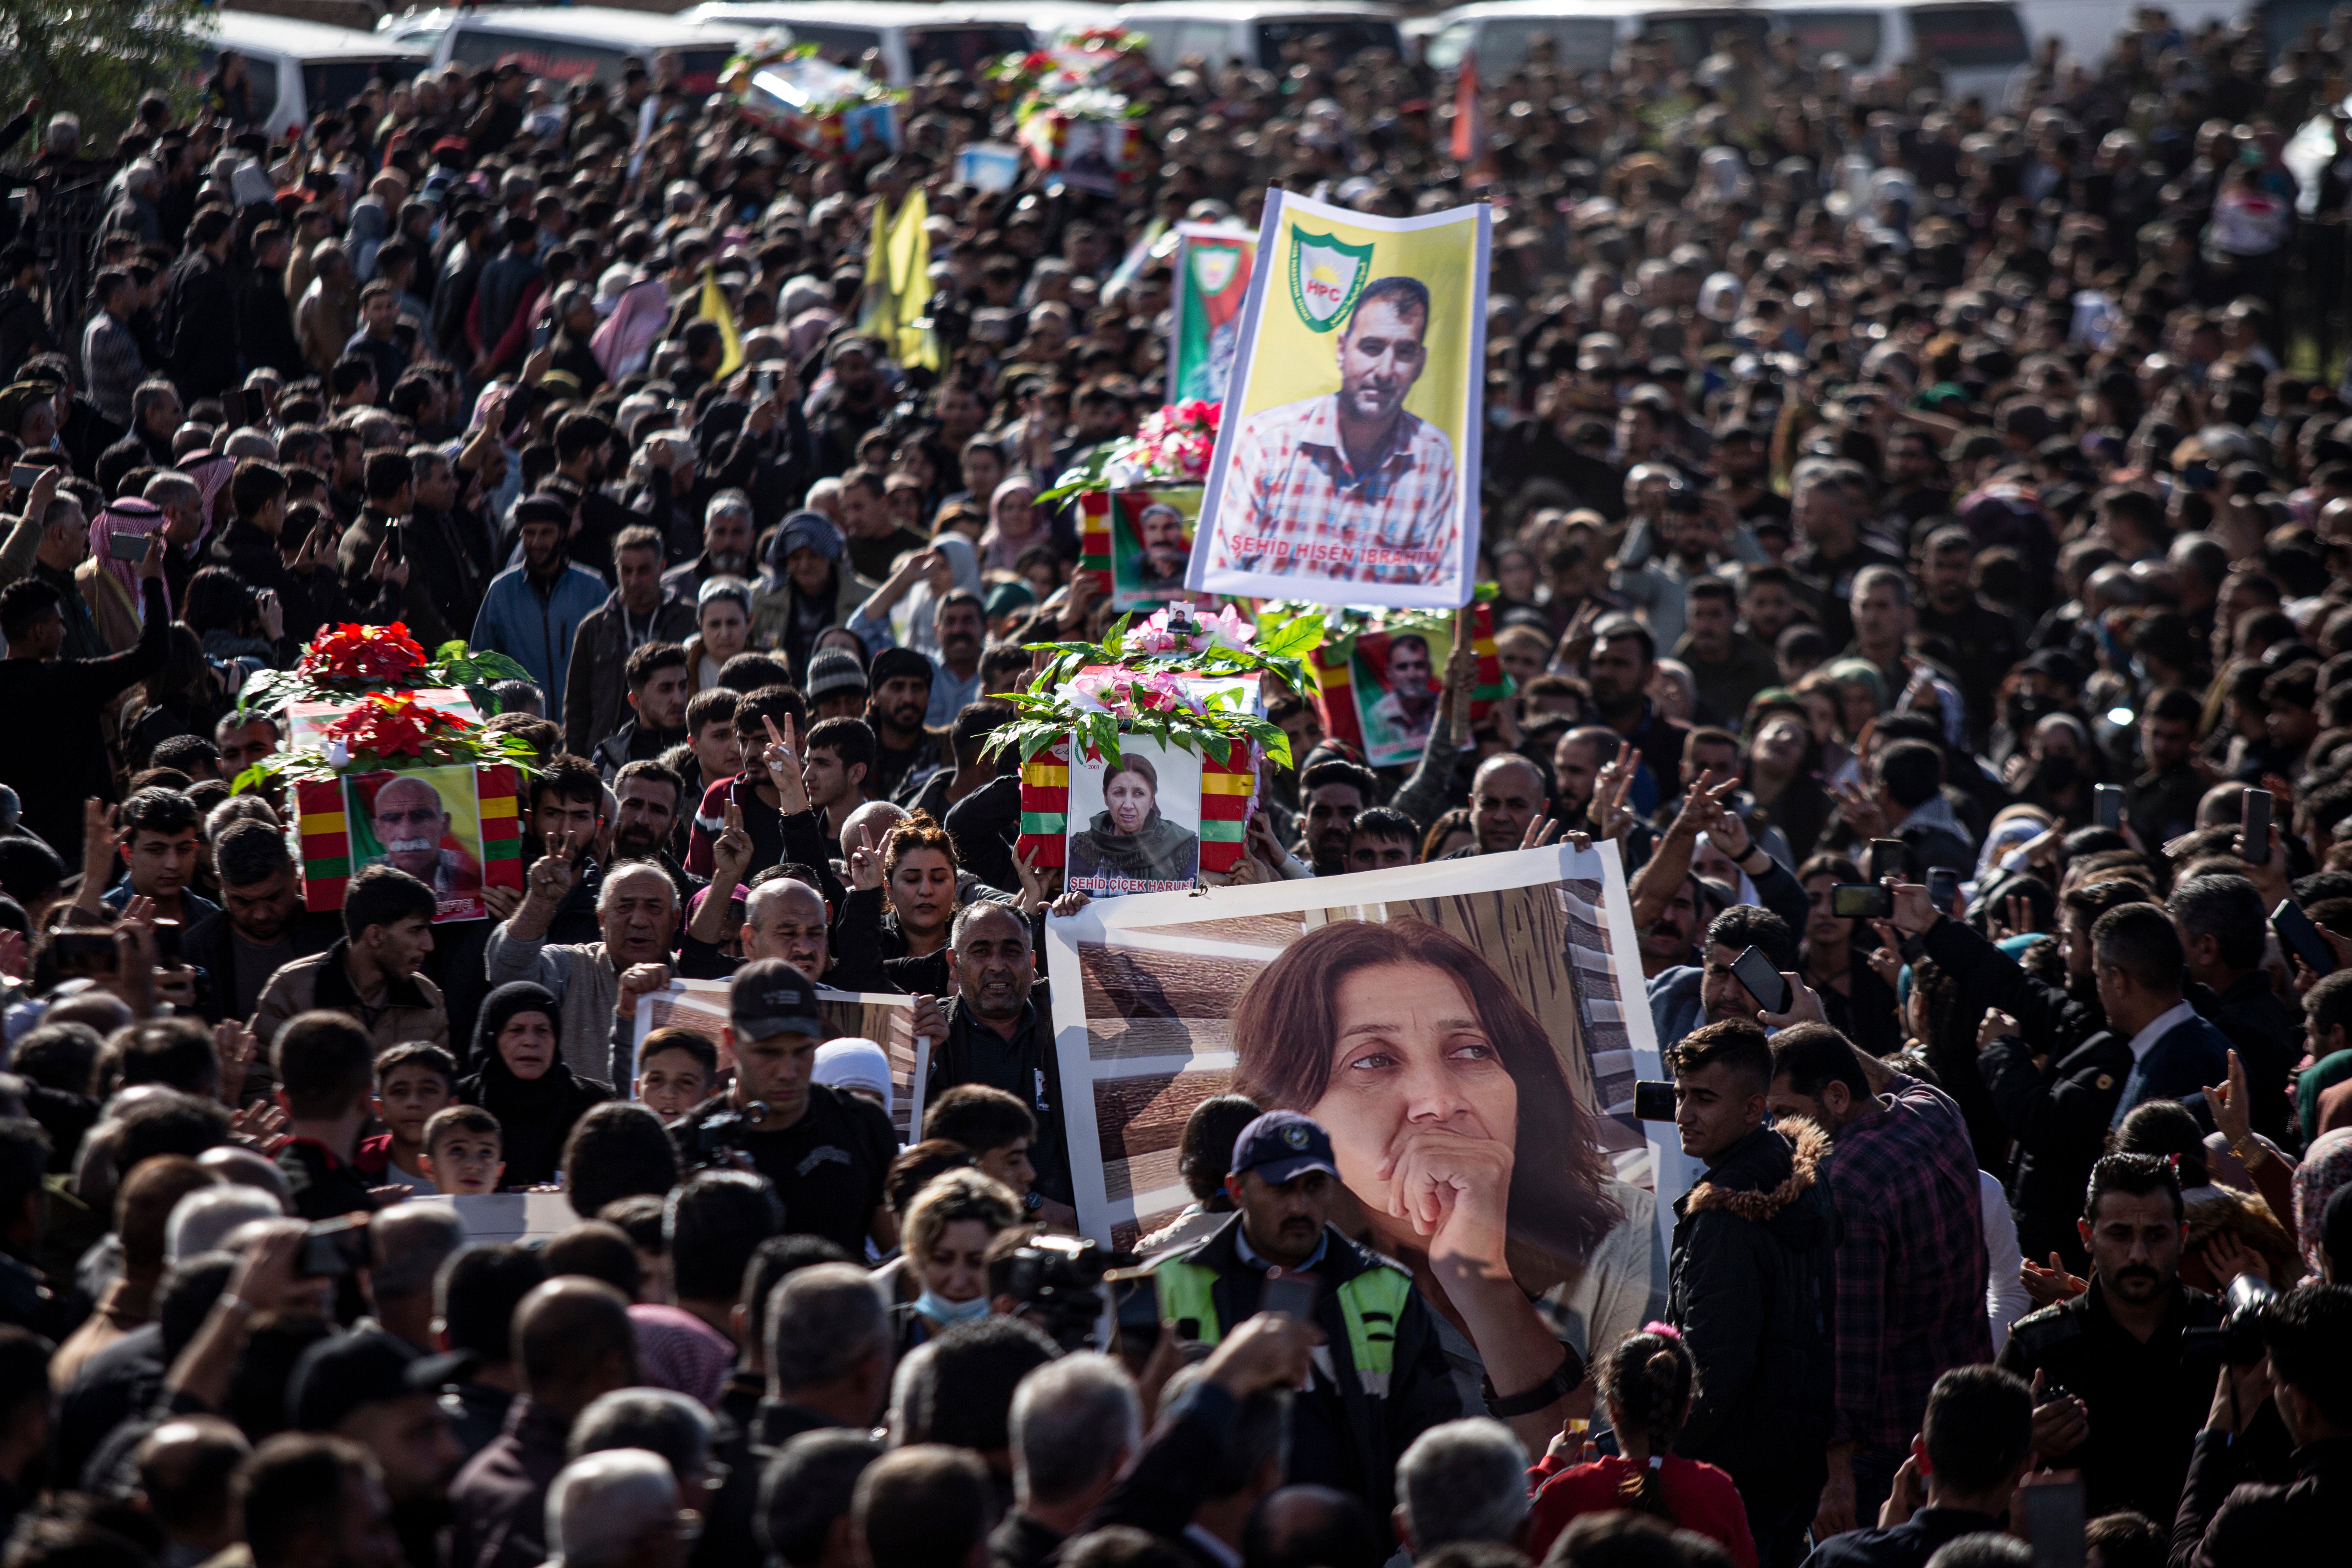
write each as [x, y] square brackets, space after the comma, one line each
[1455, 1190]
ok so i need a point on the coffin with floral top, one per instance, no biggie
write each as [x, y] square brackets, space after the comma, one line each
[1142, 756]
[1381, 677]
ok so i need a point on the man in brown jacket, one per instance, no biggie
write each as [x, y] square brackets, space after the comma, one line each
[372, 973]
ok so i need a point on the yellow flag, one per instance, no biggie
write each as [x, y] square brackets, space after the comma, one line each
[910, 284]
[714, 308]
[877, 315]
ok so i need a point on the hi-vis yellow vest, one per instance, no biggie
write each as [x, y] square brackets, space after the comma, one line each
[1371, 1304]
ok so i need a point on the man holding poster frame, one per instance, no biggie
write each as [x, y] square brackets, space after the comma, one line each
[1346, 459]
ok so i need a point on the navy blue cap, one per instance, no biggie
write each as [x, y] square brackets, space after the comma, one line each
[1283, 1144]
[768, 997]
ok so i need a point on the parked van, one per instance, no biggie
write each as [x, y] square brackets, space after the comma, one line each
[908, 39]
[1585, 34]
[564, 43]
[1980, 45]
[298, 71]
[1220, 30]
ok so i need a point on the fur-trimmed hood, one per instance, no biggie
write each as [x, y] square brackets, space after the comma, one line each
[1763, 1174]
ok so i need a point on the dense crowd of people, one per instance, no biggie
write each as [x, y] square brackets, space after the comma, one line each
[1921, 533]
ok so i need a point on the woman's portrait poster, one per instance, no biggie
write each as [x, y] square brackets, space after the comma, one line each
[1134, 823]
[1469, 1032]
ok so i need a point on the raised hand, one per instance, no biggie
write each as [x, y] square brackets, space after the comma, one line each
[780, 758]
[1032, 880]
[2048, 1287]
[1997, 1024]
[2232, 1109]
[236, 1046]
[731, 853]
[262, 1125]
[864, 860]
[639, 980]
[552, 877]
[1541, 830]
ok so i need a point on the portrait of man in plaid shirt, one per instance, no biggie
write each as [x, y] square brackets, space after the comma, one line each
[1349, 486]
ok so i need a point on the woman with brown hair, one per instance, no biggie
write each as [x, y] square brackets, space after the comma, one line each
[1430, 1074]
[892, 931]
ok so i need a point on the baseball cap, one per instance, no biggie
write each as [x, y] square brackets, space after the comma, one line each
[337, 1375]
[807, 529]
[1283, 1145]
[770, 998]
[834, 671]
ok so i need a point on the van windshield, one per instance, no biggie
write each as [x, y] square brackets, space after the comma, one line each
[1853, 34]
[1577, 43]
[1694, 35]
[965, 49]
[557, 60]
[330, 84]
[1347, 37]
[1970, 37]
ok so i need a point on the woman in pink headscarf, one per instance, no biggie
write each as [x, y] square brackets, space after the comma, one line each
[1014, 525]
[212, 471]
[112, 586]
[625, 342]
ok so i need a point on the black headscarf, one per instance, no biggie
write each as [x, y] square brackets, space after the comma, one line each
[536, 1115]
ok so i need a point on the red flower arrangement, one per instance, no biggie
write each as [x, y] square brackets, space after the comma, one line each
[362, 655]
[384, 727]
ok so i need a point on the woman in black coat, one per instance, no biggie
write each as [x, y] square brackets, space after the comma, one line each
[523, 1082]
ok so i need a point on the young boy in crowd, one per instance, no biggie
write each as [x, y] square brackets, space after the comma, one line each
[462, 1151]
[413, 1082]
[678, 1069]
[995, 1126]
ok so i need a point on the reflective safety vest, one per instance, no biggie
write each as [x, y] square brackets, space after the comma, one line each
[1373, 1303]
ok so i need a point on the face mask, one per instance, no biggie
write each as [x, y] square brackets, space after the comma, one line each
[946, 1314]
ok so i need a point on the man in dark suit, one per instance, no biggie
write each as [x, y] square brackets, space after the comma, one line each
[2140, 968]
[200, 307]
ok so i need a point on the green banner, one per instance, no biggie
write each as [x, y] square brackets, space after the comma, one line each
[1213, 274]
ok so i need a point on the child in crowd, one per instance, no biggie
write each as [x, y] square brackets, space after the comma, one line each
[462, 1152]
[678, 1069]
[413, 1082]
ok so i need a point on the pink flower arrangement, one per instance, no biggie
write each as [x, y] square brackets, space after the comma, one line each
[1126, 695]
[1163, 632]
[1173, 445]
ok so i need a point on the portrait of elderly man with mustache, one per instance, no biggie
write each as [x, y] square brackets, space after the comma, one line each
[412, 827]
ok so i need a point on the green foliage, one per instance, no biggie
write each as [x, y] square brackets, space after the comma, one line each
[95, 60]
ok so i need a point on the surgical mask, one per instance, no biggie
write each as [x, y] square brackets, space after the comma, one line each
[947, 1313]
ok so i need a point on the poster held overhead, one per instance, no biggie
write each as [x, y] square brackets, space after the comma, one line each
[1346, 461]
[1319, 996]
[1213, 264]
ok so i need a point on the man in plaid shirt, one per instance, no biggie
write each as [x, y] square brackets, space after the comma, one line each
[1347, 487]
[112, 364]
[1910, 1286]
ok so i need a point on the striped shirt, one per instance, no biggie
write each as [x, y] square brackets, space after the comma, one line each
[1293, 506]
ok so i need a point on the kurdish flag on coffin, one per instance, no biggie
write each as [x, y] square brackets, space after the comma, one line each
[1227, 787]
[454, 827]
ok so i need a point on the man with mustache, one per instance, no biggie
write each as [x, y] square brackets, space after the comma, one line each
[726, 547]
[1349, 486]
[2120, 1390]
[412, 828]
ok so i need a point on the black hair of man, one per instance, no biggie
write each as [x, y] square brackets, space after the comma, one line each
[964, 1390]
[1340, 770]
[1206, 1154]
[165, 812]
[807, 1488]
[58, 1056]
[292, 1487]
[565, 1332]
[324, 1061]
[1406, 296]
[2134, 1175]
[711, 1224]
[748, 673]
[1811, 1056]
[1738, 1045]
[773, 1261]
[478, 1292]
[29, 869]
[1911, 772]
[649, 659]
[185, 753]
[51, 1541]
[619, 1149]
[1305, 1526]
[169, 1123]
[2309, 1331]
[2229, 910]
[851, 741]
[1743, 926]
[1979, 1427]
[777, 703]
[248, 853]
[1621, 627]
[980, 1117]
[24, 1161]
[594, 1249]
[2139, 940]
[1384, 822]
[384, 896]
[572, 780]
[176, 1052]
[433, 1058]
[929, 1505]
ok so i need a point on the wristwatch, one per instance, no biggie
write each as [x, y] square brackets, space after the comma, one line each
[1543, 1395]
